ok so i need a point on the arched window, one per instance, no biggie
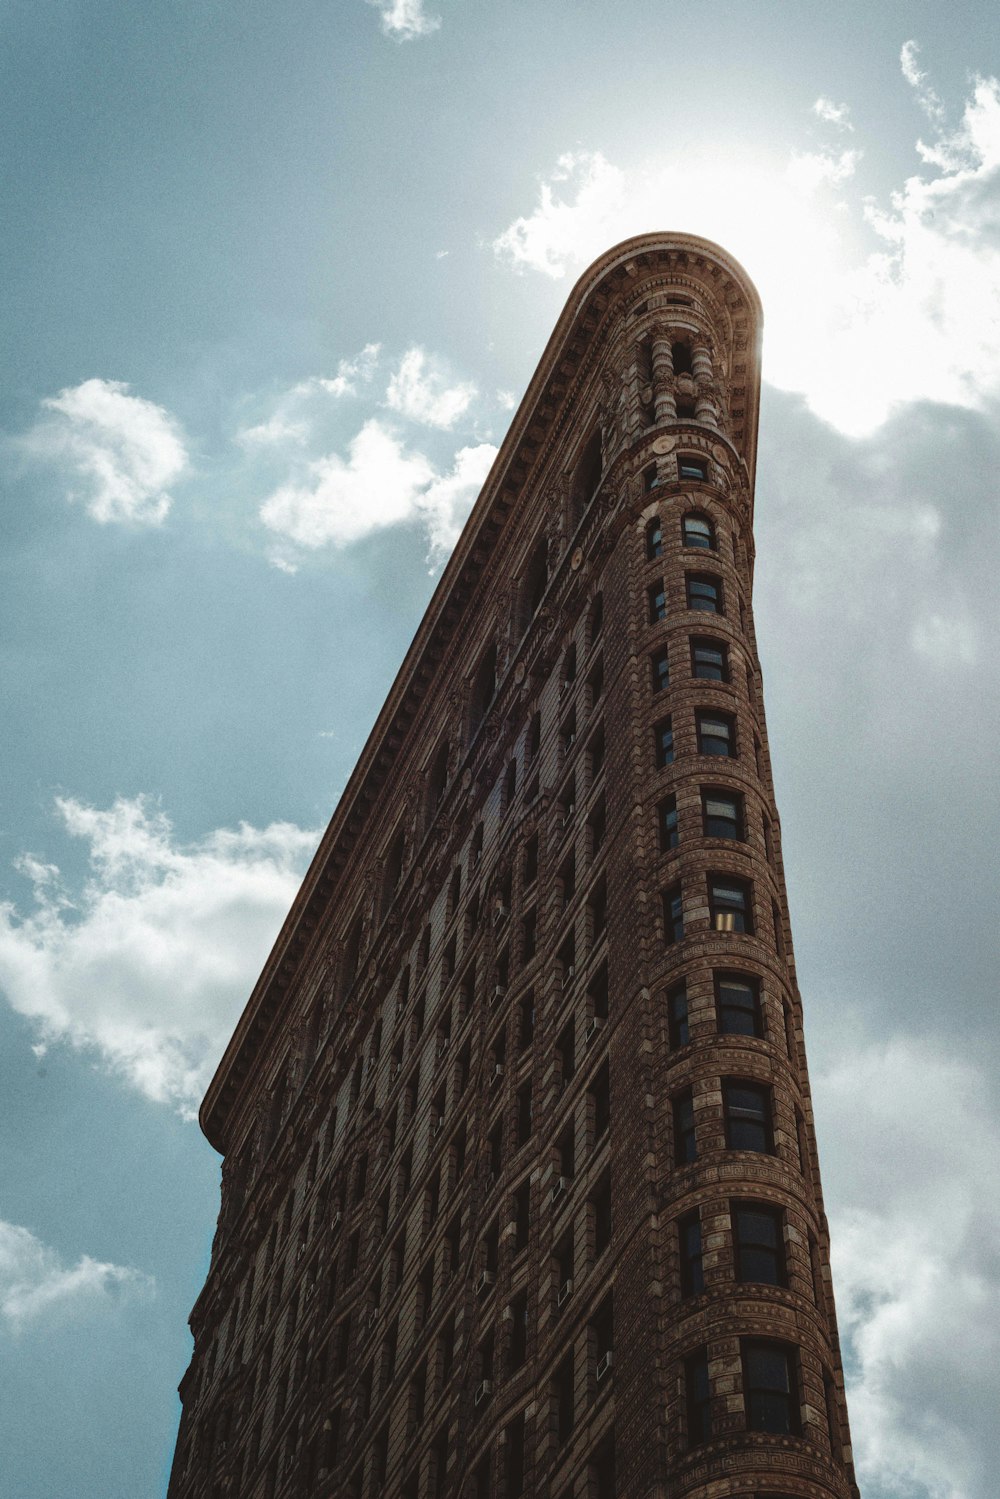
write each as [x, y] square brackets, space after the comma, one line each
[393, 869]
[697, 531]
[484, 687]
[681, 354]
[533, 584]
[438, 781]
[352, 954]
[596, 621]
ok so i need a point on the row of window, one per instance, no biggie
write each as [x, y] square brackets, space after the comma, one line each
[730, 909]
[747, 1112]
[696, 531]
[702, 593]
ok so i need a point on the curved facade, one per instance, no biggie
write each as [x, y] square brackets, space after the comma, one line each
[520, 1191]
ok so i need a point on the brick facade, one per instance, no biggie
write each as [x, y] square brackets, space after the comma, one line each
[520, 1192]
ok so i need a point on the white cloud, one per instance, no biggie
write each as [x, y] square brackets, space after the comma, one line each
[35, 1285]
[121, 450]
[445, 505]
[549, 238]
[857, 330]
[380, 484]
[339, 501]
[405, 19]
[917, 79]
[151, 962]
[912, 1135]
[419, 390]
[291, 421]
[833, 114]
[349, 372]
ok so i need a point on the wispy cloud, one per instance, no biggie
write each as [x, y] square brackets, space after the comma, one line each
[918, 80]
[37, 1286]
[380, 483]
[403, 20]
[152, 960]
[833, 114]
[118, 452]
[918, 318]
[292, 417]
[419, 390]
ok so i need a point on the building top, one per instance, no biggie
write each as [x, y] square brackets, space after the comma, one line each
[654, 285]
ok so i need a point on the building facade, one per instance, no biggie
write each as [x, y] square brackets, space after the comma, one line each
[520, 1189]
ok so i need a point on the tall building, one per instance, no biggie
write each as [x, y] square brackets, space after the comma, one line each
[520, 1192]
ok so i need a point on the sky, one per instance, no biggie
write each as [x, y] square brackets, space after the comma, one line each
[274, 278]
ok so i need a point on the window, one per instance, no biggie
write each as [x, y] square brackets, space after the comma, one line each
[737, 1005]
[657, 595]
[673, 915]
[438, 780]
[663, 741]
[602, 1325]
[758, 1243]
[770, 1393]
[709, 660]
[722, 814]
[716, 734]
[600, 1215]
[689, 1234]
[730, 905]
[569, 666]
[603, 1473]
[704, 592]
[566, 1051]
[524, 1114]
[514, 1454]
[534, 740]
[685, 1141]
[562, 1392]
[596, 617]
[660, 671]
[697, 531]
[518, 1331]
[477, 847]
[522, 1215]
[509, 784]
[654, 539]
[530, 869]
[699, 1403]
[595, 681]
[669, 837]
[597, 910]
[599, 1097]
[534, 583]
[680, 356]
[526, 1028]
[692, 469]
[677, 1016]
[484, 686]
[529, 936]
[747, 1109]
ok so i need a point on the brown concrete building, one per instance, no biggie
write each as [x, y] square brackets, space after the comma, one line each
[520, 1190]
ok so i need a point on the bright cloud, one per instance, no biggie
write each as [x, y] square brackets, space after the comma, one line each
[445, 505]
[120, 453]
[405, 19]
[833, 114]
[928, 100]
[379, 484]
[152, 960]
[858, 331]
[292, 419]
[419, 391]
[918, 1134]
[36, 1285]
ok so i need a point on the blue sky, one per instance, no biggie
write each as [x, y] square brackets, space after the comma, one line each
[274, 279]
